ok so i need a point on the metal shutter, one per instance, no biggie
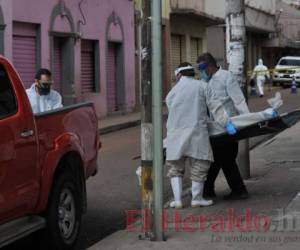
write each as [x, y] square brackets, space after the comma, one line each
[111, 78]
[177, 52]
[24, 51]
[57, 65]
[87, 66]
[196, 49]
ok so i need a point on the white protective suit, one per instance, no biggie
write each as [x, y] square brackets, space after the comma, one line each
[187, 131]
[42, 103]
[260, 72]
[229, 92]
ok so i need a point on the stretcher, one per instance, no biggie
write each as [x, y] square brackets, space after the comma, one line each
[268, 126]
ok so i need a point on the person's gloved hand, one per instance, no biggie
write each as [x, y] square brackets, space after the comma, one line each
[272, 113]
[230, 128]
[275, 114]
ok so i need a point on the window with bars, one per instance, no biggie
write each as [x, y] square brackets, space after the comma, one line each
[196, 49]
[177, 52]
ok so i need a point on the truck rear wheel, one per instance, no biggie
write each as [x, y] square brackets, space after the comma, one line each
[64, 212]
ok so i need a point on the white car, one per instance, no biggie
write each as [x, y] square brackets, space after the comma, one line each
[286, 69]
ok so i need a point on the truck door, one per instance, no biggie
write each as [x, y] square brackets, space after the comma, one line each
[18, 151]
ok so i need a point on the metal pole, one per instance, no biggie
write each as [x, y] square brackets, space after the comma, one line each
[236, 58]
[157, 121]
[146, 121]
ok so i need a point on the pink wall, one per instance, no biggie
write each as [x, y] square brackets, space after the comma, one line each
[97, 13]
[7, 13]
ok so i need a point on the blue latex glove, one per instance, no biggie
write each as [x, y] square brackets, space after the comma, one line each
[230, 128]
[275, 114]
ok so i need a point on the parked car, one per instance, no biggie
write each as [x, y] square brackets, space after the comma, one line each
[286, 69]
[45, 160]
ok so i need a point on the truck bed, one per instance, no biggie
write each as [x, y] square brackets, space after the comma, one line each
[76, 120]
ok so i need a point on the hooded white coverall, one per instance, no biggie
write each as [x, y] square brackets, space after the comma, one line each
[42, 103]
[187, 131]
[261, 72]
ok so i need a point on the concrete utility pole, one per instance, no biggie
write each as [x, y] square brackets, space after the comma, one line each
[157, 121]
[146, 120]
[236, 58]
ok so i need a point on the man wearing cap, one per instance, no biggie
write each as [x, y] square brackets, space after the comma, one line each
[229, 92]
[187, 141]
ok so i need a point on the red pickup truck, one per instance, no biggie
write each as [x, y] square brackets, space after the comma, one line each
[45, 160]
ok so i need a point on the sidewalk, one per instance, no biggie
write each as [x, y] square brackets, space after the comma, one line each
[274, 186]
[116, 122]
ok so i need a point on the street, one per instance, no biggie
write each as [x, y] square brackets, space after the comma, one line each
[89, 81]
[115, 188]
[274, 189]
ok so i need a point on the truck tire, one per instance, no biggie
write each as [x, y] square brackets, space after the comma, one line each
[64, 213]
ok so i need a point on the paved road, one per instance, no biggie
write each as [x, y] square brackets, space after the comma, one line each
[115, 188]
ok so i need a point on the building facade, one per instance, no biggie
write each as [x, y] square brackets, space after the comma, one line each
[286, 40]
[87, 44]
[295, 3]
[187, 36]
[260, 18]
[272, 30]
[197, 26]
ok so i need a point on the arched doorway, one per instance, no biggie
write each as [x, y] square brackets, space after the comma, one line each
[115, 64]
[62, 39]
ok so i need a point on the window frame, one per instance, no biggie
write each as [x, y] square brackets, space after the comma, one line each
[11, 114]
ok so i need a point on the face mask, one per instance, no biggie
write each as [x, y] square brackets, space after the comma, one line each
[44, 89]
[204, 76]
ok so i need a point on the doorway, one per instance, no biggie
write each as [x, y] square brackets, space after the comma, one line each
[115, 78]
[63, 68]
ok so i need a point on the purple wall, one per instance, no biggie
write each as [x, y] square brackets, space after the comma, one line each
[97, 13]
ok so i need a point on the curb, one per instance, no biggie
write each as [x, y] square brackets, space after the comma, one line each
[117, 127]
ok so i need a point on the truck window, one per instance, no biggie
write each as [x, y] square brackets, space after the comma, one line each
[289, 62]
[8, 104]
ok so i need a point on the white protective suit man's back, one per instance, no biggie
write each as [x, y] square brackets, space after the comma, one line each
[227, 89]
[187, 132]
[42, 103]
